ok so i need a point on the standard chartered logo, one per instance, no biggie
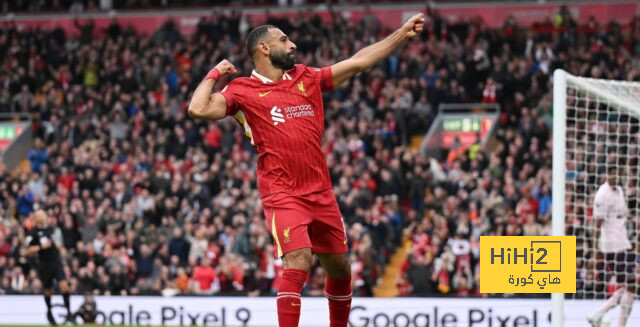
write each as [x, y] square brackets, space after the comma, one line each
[303, 110]
[276, 115]
[299, 111]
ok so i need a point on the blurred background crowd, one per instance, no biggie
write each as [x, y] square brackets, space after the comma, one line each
[82, 6]
[145, 200]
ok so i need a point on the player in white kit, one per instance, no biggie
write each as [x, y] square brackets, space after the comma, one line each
[611, 213]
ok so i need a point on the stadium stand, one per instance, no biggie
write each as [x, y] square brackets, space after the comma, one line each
[148, 201]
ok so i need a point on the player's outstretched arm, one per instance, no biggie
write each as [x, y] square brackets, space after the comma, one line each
[205, 105]
[371, 55]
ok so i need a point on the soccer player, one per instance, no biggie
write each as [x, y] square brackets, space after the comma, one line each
[50, 265]
[280, 109]
[610, 212]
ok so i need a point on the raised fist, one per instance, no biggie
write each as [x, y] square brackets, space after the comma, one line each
[414, 25]
[226, 68]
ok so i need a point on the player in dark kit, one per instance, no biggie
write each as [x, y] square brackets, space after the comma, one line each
[280, 109]
[50, 265]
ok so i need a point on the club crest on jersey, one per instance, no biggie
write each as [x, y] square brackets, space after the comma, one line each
[301, 88]
[276, 115]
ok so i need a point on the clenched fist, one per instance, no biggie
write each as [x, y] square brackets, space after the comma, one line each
[414, 25]
[226, 68]
[222, 68]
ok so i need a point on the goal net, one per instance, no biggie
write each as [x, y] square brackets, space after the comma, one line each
[596, 128]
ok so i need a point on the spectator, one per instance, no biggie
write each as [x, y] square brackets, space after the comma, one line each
[420, 273]
[25, 201]
[23, 101]
[38, 155]
[182, 281]
[179, 246]
[204, 278]
[198, 245]
[118, 281]
[17, 280]
[144, 261]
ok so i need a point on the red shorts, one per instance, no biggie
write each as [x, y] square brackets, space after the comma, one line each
[309, 221]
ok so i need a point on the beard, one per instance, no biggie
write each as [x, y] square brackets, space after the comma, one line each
[282, 60]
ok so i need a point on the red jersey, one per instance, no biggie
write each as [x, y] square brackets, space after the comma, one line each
[205, 276]
[285, 122]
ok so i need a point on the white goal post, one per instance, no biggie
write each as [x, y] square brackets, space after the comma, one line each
[596, 124]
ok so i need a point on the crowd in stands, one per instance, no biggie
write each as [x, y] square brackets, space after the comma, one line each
[92, 6]
[145, 200]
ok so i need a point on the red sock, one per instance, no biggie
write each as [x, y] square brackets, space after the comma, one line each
[338, 291]
[289, 297]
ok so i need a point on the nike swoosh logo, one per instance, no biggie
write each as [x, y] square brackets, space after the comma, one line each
[295, 304]
[263, 94]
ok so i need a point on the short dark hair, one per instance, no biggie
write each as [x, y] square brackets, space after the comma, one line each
[255, 36]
